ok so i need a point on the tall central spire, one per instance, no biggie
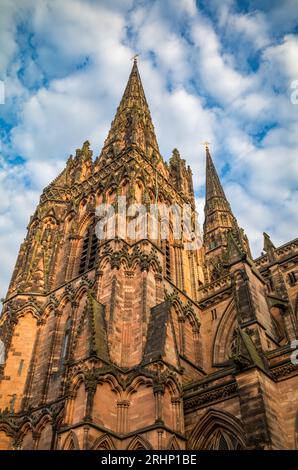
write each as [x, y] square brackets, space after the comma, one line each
[132, 125]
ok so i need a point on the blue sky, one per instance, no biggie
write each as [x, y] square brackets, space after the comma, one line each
[216, 70]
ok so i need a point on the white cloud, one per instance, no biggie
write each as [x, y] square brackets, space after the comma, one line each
[283, 57]
[215, 67]
[17, 204]
[252, 26]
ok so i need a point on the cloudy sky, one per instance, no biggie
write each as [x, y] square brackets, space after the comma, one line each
[216, 70]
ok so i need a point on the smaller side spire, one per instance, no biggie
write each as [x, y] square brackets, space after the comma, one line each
[218, 214]
[213, 184]
[220, 226]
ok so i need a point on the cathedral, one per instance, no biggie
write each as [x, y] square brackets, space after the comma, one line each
[146, 343]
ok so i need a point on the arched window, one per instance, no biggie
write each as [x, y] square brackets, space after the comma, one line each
[217, 430]
[223, 440]
[167, 251]
[89, 251]
[65, 343]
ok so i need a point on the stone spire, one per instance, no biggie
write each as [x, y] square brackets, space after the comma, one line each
[214, 188]
[132, 125]
[218, 214]
[219, 218]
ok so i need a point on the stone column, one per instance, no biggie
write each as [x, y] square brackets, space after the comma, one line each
[90, 387]
[181, 321]
[158, 391]
[122, 416]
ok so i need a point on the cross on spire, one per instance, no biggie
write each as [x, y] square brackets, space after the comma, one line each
[134, 58]
[206, 144]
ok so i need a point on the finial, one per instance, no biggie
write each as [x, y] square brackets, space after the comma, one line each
[134, 58]
[206, 144]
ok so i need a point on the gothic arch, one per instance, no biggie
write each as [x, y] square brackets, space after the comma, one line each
[104, 261]
[48, 308]
[21, 340]
[173, 386]
[71, 442]
[139, 443]
[50, 217]
[113, 382]
[45, 430]
[104, 442]
[177, 305]
[27, 432]
[81, 291]
[4, 427]
[84, 222]
[46, 419]
[223, 335]
[76, 381]
[173, 444]
[189, 313]
[136, 383]
[64, 299]
[28, 310]
[178, 320]
[217, 429]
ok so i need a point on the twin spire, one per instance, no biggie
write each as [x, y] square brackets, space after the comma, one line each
[213, 184]
[132, 125]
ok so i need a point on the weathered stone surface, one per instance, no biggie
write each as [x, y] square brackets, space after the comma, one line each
[138, 344]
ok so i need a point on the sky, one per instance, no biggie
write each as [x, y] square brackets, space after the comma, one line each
[215, 70]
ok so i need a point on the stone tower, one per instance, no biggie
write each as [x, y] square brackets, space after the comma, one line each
[114, 341]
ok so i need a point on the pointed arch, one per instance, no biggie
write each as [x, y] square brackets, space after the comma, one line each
[88, 249]
[139, 443]
[113, 382]
[26, 436]
[45, 430]
[173, 385]
[29, 309]
[46, 419]
[217, 430]
[136, 383]
[71, 442]
[65, 298]
[76, 381]
[81, 292]
[6, 439]
[6, 429]
[48, 308]
[173, 444]
[223, 335]
[104, 442]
